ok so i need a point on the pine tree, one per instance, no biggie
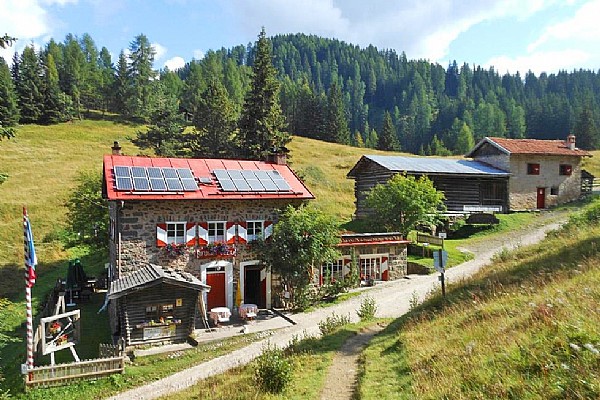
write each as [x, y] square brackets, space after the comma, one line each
[30, 86]
[72, 76]
[388, 139]
[358, 140]
[214, 123]
[164, 133]
[336, 123]
[122, 87]
[141, 58]
[588, 137]
[262, 123]
[9, 111]
[52, 111]
[464, 140]
[106, 79]
[372, 139]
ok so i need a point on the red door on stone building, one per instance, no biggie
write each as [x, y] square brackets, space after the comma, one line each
[541, 197]
[216, 296]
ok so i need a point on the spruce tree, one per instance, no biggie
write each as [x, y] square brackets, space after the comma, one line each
[122, 87]
[336, 124]
[464, 141]
[9, 111]
[388, 139]
[141, 58]
[262, 124]
[587, 134]
[52, 111]
[30, 86]
[215, 124]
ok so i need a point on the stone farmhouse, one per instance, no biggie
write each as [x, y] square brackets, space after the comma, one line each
[502, 175]
[198, 216]
[543, 173]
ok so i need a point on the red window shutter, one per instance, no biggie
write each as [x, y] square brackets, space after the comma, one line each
[268, 229]
[230, 232]
[203, 233]
[190, 234]
[161, 235]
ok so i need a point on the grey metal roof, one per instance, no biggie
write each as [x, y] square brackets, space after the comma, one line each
[435, 165]
[150, 274]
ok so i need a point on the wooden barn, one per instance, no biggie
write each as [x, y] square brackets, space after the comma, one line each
[155, 304]
[469, 186]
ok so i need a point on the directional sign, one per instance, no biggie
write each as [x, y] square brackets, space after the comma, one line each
[440, 262]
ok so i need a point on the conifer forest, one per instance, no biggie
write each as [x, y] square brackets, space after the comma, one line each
[326, 89]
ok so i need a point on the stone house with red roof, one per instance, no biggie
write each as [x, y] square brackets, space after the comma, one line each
[198, 216]
[543, 173]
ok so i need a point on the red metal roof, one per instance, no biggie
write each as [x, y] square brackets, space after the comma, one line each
[535, 146]
[201, 168]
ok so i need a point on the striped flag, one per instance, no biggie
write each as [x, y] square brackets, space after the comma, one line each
[30, 256]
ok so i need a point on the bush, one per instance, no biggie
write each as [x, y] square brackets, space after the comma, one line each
[274, 370]
[332, 323]
[368, 309]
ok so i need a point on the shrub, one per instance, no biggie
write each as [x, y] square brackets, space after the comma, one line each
[333, 322]
[368, 309]
[274, 370]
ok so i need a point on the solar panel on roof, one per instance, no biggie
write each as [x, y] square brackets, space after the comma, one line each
[141, 184]
[138, 172]
[170, 173]
[122, 172]
[221, 174]
[205, 180]
[279, 181]
[269, 185]
[155, 172]
[124, 183]
[255, 185]
[241, 185]
[248, 174]
[189, 184]
[234, 174]
[185, 173]
[261, 175]
[174, 184]
[158, 184]
[227, 185]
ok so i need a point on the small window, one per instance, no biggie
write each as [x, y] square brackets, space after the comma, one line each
[151, 313]
[334, 270]
[554, 191]
[216, 232]
[176, 232]
[533, 169]
[254, 230]
[565, 169]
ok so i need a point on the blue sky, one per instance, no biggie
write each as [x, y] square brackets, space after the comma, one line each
[511, 35]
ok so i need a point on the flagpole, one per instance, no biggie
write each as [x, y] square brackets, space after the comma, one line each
[29, 264]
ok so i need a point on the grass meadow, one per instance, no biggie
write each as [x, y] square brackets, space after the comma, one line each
[518, 320]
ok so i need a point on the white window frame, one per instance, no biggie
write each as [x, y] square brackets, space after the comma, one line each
[377, 266]
[176, 232]
[337, 270]
[213, 227]
[254, 235]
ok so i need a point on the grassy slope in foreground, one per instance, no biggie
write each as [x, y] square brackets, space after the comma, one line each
[524, 327]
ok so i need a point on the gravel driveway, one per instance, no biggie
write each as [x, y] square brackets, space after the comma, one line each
[393, 300]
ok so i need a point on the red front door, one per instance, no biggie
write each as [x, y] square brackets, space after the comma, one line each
[541, 197]
[216, 296]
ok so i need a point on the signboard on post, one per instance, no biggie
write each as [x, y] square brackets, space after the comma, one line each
[440, 259]
[433, 240]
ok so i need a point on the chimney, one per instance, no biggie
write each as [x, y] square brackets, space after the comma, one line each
[571, 142]
[278, 156]
[116, 149]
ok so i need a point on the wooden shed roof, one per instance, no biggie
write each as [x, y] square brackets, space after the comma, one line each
[429, 166]
[151, 275]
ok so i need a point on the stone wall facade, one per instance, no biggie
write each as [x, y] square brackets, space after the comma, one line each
[559, 189]
[397, 256]
[134, 239]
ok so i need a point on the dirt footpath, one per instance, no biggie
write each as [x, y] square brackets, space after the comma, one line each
[393, 300]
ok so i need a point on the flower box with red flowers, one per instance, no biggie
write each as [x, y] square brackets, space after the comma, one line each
[215, 250]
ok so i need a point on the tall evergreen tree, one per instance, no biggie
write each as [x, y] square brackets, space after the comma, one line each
[72, 77]
[164, 134]
[106, 79]
[122, 87]
[52, 111]
[388, 139]
[215, 124]
[336, 123]
[588, 137]
[141, 58]
[9, 111]
[30, 86]
[464, 140]
[262, 124]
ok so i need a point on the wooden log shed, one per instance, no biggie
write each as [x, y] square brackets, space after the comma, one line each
[155, 304]
[467, 184]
